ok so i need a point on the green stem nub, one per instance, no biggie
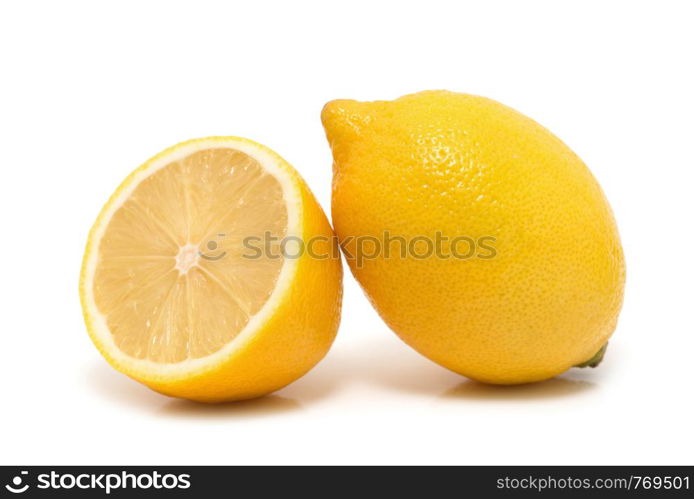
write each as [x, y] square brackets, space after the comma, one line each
[595, 360]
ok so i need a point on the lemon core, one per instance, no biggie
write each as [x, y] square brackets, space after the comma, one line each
[187, 257]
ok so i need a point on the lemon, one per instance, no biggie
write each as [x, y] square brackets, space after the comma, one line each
[187, 284]
[527, 275]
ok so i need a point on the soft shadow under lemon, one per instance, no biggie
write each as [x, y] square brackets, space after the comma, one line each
[550, 389]
[385, 361]
[253, 408]
[116, 387]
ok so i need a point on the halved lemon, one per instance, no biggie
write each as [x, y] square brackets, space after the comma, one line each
[212, 274]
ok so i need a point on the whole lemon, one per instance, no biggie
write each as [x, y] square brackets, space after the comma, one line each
[482, 240]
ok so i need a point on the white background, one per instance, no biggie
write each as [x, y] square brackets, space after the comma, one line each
[89, 91]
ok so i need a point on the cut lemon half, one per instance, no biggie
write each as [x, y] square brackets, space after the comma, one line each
[212, 274]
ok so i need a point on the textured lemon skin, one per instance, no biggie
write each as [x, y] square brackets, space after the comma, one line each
[467, 165]
[294, 339]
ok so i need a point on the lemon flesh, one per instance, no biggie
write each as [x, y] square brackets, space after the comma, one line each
[170, 282]
[165, 294]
